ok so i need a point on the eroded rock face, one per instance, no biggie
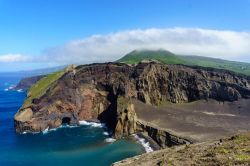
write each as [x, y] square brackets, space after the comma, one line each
[91, 92]
[160, 136]
[126, 119]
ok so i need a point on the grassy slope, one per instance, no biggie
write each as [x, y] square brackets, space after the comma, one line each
[160, 55]
[239, 67]
[38, 89]
[228, 151]
[170, 58]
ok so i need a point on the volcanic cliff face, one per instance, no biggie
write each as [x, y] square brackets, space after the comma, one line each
[104, 92]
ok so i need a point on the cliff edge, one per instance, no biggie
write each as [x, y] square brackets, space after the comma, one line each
[115, 94]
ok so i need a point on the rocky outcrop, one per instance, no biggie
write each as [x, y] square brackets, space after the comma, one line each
[126, 119]
[94, 92]
[162, 137]
[27, 82]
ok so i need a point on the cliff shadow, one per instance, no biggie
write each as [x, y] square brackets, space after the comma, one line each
[109, 116]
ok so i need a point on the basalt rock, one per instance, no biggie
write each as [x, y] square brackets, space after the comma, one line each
[93, 92]
[160, 136]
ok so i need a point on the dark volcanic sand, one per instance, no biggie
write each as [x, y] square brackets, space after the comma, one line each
[198, 121]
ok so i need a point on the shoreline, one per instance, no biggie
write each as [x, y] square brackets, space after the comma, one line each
[141, 138]
[147, 143]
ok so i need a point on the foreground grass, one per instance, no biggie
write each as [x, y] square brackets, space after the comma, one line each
[229, 151]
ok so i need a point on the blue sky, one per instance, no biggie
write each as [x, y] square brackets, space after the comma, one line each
[29, 28]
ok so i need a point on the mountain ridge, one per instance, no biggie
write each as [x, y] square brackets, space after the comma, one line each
[168, 57]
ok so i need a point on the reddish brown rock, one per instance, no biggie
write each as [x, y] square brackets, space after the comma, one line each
[91, 92]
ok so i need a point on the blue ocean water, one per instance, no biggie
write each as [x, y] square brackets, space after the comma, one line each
[84, 145]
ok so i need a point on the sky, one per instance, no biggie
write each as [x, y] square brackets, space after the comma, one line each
[45, 33]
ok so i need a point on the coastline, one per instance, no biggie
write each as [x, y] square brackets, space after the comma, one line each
[141, 138]
[147, 142]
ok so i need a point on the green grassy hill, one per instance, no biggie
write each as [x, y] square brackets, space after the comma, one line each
[38, 89]
[167, 57]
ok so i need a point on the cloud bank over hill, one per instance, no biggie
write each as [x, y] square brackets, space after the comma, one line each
[231, 45]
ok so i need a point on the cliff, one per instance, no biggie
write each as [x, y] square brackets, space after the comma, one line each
[107, 91]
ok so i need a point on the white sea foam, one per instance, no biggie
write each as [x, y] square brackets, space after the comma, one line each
[25, 132]
[19, 90]
[144, 143]
[105, 133]
[11, 87]
[46, 131]
[67, 126]
[110, 140]
[92, 124]
[54, 129]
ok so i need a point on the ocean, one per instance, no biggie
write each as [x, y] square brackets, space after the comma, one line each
[85, 145]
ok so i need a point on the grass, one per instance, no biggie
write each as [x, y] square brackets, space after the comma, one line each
[169, 58]
[242, 157]
[234, 150]
[161, 55]
[40, 88]
[239, 67]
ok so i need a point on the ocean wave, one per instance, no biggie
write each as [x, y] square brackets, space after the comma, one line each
[66, 126]
[46, 131]
[19, 90]
[144, 143]
[110, 140]
[25, 132]
[92, 124]
[9, 88]
[105, 133]
[12, 88]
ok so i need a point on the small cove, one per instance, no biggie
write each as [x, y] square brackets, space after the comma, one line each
[67, 145]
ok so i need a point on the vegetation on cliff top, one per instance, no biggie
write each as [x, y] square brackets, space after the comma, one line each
[169, 58]
[38, 89]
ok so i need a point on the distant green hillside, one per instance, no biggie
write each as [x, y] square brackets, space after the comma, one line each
[160, 55]
[171, 58]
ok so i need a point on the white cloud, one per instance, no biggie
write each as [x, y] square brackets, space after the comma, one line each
[8, 58]
[230, 45]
